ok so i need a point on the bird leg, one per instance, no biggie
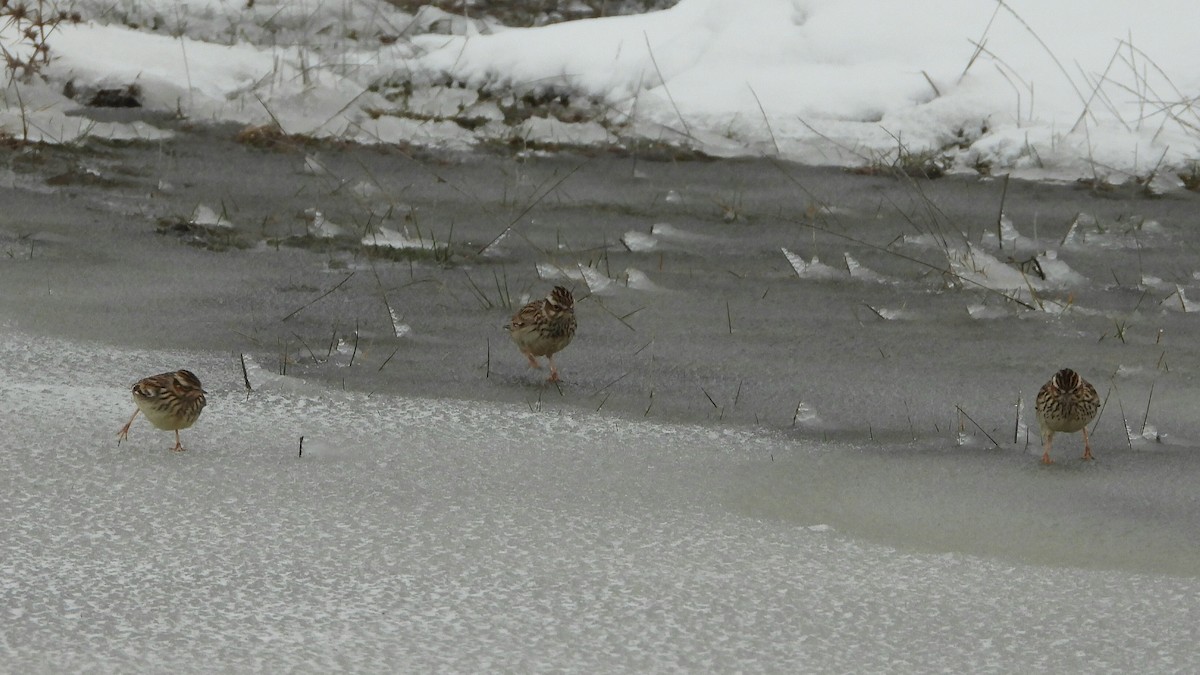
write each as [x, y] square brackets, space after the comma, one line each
[1047, 441]
[178, 443]
[553, 369]
[533, 363]
[1087, 446]
[123, 434]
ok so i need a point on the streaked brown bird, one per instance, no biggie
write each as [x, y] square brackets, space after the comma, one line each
[545, 327]
[171, 401]
[1066, 403]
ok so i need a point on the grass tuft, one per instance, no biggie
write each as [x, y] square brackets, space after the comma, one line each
[34, 23]
[1190, 176]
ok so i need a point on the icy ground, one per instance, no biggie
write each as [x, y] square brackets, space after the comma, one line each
[788, 435]
[420, 534]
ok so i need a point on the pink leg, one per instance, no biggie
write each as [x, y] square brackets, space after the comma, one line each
[1047, 441]
[178, 444]
[123, 434]
[553, 369]
[532, 361]
[1087, 446]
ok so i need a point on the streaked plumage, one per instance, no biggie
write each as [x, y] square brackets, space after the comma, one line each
[171, 401]
[1066, 403]
[545, 327]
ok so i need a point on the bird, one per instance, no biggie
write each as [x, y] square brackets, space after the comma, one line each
[171, 401]
[544, 327]
[1067, 403]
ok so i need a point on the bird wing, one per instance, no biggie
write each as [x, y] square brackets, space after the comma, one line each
[529, 315]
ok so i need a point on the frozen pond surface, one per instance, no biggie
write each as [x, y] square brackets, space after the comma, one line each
[425, 534]
[670, 506]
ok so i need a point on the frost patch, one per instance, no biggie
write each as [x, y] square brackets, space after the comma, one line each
[861, 273]
[813, 269]
[639, 242]
[206, 217]
[638, 281]
[392, 239]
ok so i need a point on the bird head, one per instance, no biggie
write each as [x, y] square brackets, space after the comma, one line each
[1066, 380]
[186, 379]
[560, 299]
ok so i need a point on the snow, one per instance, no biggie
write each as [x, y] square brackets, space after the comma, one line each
[393, 239]
[1017, 87]
[311, 529]
[793, 432]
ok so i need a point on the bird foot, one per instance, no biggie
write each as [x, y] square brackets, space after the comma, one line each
[1046, 460]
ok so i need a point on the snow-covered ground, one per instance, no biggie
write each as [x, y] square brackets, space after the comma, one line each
[793, 433]
[1037, 89]
[426, 535]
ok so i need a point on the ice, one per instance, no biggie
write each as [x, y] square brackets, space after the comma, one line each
[398, 326]
[670, 232]
[597, 283]
[857, 271]
[206, 216]
[1010, 238]
[390, 238]
[639, 242]
[319, 226]
[640, 281]
[496, 247]
[551, 271]
[978, 311]
[812, 269]
[317, 529]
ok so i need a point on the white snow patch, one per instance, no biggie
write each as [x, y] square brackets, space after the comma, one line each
[496, 248]
[639, 242]
[321, 227]
[394, 239]
[805, 416]
[1179, 302]
[978, 267]
[598, 284]
[205, 216]
[812, 81]
[550, 271]
[1010, 238]
[669, 232]
[984, 312]
[813, 269]
[639, 281]
[890, 314]
[857, 271]
[398, 326]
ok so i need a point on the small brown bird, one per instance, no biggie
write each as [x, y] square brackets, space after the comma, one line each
[1066, 403]
[171, 401]
[545, 327]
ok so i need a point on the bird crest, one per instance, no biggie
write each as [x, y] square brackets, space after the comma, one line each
[1066, 380]
[560, 299]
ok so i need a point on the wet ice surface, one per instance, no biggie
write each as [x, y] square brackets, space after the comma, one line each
[829, 508]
